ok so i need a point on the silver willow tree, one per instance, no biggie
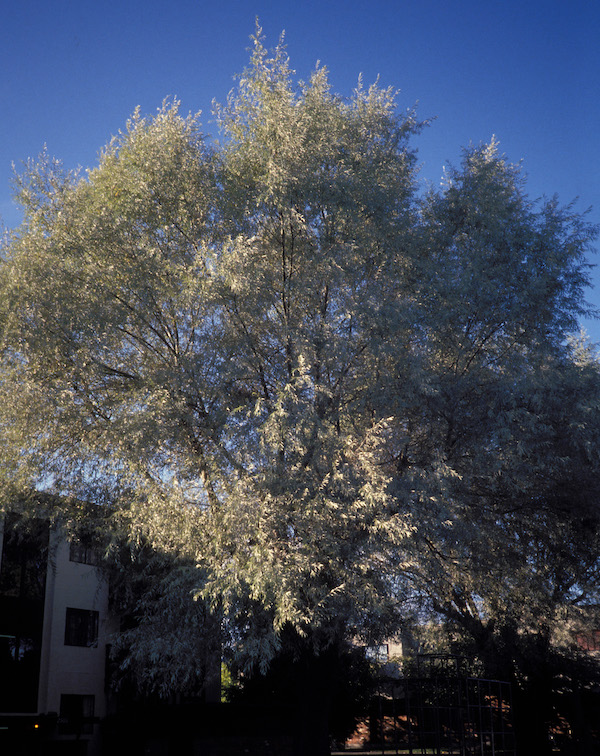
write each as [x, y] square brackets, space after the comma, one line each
[276, 358]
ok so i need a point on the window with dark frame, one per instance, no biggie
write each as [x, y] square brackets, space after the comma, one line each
[378, 654]
[83, 553]
[81, 627]
[24, 558]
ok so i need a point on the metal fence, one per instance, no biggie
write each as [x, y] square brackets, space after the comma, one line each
[442, 711]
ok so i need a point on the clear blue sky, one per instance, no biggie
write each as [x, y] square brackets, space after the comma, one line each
[528, 71]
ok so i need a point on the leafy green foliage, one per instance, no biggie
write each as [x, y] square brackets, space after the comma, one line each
[168, 643]
[278, 359]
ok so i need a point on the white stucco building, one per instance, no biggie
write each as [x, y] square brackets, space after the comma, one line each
[54, 632]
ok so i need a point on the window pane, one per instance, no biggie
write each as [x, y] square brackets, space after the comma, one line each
[19, 673]
[82, 553]
[24, 558]
[378, 654]
[81, 627]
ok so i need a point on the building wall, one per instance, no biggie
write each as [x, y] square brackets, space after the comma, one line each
[71, 677]
[70, 669]
[53, 668]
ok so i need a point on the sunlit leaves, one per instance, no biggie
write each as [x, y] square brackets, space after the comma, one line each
[279, 358]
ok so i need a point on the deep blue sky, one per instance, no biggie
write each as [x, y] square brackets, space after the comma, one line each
[527, 71]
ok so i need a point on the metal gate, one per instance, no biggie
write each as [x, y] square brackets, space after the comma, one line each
[442, 711]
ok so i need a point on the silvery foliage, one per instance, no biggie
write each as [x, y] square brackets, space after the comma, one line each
[276, 356]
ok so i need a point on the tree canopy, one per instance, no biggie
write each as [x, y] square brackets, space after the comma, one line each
[280, 357]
